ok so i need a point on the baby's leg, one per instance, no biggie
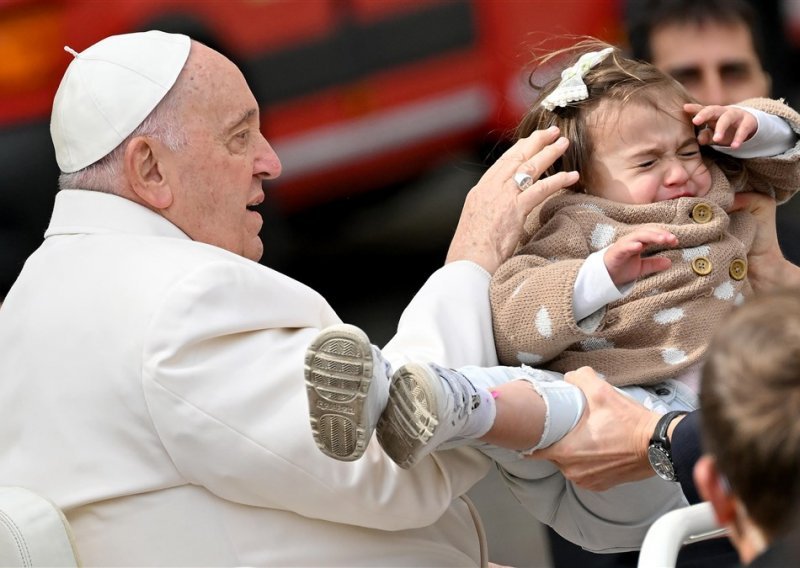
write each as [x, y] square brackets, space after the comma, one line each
[347, 383]
[431, 407]
[609, 521]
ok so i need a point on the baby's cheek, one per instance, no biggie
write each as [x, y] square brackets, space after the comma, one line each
[705, 185]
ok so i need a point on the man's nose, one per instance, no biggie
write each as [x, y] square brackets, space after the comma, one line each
[713, 90]
[267, 164]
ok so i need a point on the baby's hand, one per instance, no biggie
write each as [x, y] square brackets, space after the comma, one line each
[727, 125]
[624, 260]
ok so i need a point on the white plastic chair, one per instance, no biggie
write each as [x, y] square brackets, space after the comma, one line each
[675, 529]
[33, 531]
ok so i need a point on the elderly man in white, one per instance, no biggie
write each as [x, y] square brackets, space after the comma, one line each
[152, 372]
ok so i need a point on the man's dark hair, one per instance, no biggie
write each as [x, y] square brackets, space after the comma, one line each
[643, 16]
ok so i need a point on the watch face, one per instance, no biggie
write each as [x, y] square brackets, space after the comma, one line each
[661, 463]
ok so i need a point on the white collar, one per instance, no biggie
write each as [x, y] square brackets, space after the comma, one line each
[80, 211]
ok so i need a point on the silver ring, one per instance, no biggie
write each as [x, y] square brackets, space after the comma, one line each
[523, 180]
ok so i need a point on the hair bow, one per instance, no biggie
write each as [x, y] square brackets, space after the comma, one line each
[572, 88]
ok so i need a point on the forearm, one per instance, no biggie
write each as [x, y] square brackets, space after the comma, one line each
[767, 268]
[448, 321]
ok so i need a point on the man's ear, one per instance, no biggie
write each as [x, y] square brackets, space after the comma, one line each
[713, 488]
[144, 172]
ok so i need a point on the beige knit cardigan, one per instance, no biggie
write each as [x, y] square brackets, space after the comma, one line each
[666, 321]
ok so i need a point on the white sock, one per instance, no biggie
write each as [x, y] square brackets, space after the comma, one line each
[481, 419]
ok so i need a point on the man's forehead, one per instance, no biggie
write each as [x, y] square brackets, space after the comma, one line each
[238, 118]
[689, 43]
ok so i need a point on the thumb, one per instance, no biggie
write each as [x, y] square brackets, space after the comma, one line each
[583, 378]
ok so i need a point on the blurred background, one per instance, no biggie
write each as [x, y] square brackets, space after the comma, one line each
[384, 113]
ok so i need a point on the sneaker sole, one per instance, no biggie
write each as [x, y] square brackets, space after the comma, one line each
[410, 418]
[338, 371]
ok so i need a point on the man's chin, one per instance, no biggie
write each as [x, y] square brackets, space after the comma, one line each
[254, 251]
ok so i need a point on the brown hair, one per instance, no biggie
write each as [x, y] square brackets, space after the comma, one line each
[750, 398]
[616, 78]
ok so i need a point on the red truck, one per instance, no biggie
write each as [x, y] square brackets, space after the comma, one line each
[355, 94]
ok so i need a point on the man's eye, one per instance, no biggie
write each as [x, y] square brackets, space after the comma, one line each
[735, 74]
[687, 78]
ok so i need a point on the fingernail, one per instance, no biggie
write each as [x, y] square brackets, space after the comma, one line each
[562, 141]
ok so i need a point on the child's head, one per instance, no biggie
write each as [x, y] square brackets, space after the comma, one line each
[630, 139]
[750, 398]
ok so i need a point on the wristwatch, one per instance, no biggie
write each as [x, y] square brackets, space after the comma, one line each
[658, 452]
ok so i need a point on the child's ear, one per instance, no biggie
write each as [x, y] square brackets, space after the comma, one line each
[713, 487]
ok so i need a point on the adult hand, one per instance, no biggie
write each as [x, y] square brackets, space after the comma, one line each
[609, 444]
[494, 213]
[767, 268]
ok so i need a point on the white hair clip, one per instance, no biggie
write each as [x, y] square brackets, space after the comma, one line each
[572, 88]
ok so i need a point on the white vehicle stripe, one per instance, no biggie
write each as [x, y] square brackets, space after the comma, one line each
[377, 133]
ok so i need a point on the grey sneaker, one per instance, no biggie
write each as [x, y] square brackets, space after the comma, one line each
[347, 383]
[428, 405]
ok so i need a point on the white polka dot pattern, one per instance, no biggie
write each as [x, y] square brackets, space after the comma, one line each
[602, 236]
[689, 254]
[724, 291]
[593, 207]
[673, 356]
[544, 324]
[528, 358]
[666, 317]
[596, 343]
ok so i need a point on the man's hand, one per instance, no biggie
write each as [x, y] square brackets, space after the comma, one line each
[767, 269]
[727, 125]
[494, 213]
[624, 260]
[609, 444]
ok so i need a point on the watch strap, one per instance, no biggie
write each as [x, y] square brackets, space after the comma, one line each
[660, 433]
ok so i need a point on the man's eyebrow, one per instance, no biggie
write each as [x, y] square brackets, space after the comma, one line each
[244, 117]
[684, 71]
[735, 66]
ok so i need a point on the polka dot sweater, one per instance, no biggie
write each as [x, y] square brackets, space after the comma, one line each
[664, 324]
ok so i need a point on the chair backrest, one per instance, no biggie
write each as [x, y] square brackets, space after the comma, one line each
[33, 531]
[672, 530]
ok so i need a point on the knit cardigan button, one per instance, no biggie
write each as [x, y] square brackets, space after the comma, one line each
[702, 213]
[738, 269]
[701, 266]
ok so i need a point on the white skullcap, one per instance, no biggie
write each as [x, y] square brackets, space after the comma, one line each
[109, 89]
